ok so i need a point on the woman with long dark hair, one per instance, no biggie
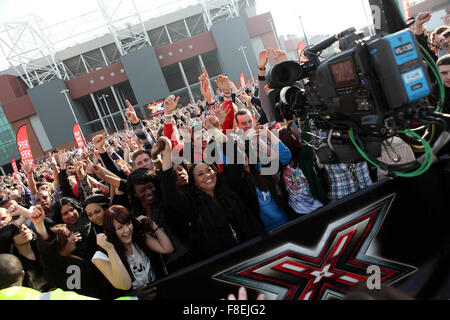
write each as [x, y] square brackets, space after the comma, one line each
[94, 208]
[69, 211]
[130, 260]
[16, 238]
[62, 267]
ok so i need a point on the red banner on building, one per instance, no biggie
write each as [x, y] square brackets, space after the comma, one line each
[14, 165]
[24, 145]
[77, 135]
[242, 80]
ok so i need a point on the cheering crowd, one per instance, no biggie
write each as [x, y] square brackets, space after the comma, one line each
[135, 206]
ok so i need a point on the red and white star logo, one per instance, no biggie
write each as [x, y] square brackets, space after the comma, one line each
[336, 265]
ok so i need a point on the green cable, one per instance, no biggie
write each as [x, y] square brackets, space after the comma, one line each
[428, 160]
[423, 168]
[352, 138]
[436, 73]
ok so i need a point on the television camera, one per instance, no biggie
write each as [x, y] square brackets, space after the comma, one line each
[373, 89]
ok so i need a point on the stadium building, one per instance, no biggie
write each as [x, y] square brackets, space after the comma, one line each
[59, 75]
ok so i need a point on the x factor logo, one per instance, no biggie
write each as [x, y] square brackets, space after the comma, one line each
[337, 264]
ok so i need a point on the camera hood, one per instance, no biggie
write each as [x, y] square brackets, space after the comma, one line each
[284, 74]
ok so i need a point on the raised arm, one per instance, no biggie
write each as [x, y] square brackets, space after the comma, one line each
[159, 242]
[263, 58]
[86, 188]
[99, 142]
[224, 84]
[63, 178]
[139, 128]
[205, 87]
[55, 169]
[170, 105]
[104, 174]
[37, 217]
[114, 270]
[28, 168]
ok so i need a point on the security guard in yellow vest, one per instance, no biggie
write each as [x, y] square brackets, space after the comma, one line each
[11, 277]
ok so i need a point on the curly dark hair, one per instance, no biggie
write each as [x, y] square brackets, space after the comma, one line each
[141, 176]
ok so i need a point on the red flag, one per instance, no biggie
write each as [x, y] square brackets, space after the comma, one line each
[242, 80]
[24, 145]
[14, 165]
[77, 135]
[300, 51]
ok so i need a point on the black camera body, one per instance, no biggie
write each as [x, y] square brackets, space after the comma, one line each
[373, 85]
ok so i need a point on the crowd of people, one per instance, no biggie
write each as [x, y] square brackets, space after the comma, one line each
[137, 205]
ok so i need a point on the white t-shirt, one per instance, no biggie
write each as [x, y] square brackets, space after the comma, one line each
[139, 264]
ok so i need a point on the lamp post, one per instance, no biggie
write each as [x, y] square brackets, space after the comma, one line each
[242, 48]
[274, 33]
[304, 33]
[65, 92]
[103, 97]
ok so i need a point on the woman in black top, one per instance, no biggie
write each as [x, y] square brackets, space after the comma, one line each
[145, 200]
[68, 211]
[214, 217]
[16, 238]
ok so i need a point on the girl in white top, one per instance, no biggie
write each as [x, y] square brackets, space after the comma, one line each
[127, 263]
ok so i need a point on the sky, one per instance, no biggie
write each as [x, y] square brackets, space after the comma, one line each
[318, 16]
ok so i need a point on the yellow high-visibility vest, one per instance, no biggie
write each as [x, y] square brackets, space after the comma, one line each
[24, 293]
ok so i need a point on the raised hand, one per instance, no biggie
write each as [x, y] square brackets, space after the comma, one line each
[204, 86]
[99, 142]
[17, 210]
[263, 58]
[52, 159]
[131, 114]
[27, 167]
[170, 104]
[102, 241]
[223, 83]
[220, 112]
[242, 295]
[211, 122]
[63, 157]
[95, 169]
[421, 19]
[168, 144]
[279, 55]
[80, 169]
[37, 215]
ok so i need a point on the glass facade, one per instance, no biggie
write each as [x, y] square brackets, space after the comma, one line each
[8, 147]
[93, 123]
[192, 68]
